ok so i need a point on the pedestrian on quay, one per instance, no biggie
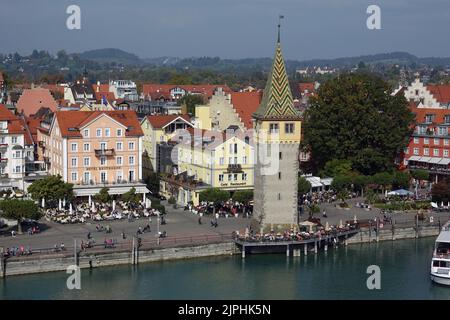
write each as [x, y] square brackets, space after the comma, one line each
[324, 214]
[13, 233]
[200, 220]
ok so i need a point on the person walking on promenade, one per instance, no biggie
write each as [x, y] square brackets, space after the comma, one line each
[324, 214]
[200, 220]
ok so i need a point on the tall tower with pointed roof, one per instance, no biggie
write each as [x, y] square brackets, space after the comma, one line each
[278, 133]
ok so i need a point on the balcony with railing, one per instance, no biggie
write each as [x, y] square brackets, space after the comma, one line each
[235, 168]
[3, 145]
[104, 152]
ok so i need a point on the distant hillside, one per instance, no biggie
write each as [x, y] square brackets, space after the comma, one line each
[111, 55]
[261, 64]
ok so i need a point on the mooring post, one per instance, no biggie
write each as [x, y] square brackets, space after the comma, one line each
[393, 230]
[378, 230]
[417, 226]
[75, 258]
[133, 252]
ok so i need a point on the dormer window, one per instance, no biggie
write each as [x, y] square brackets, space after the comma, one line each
[429, 118]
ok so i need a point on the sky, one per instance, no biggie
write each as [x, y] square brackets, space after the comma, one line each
[311, 29]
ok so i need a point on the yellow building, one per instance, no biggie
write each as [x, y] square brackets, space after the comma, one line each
[158, 130]
[210, 159]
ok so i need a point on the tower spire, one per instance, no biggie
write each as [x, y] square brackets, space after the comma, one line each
[279, 26]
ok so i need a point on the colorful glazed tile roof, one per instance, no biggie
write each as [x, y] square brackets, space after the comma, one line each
[277, 101]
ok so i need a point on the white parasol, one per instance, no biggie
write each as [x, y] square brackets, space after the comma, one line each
[70, 209]
[43, 203]
[114, 205]
[59, 205]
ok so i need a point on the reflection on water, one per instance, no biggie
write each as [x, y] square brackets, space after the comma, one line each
[338, 274]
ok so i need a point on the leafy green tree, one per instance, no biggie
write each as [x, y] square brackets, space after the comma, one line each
[131, 197]
[354, 117]
[336, 167]
[341, 183]
[371, 196]
[383, 180]
[20, 209]
[191, 101]
[243, 196]
[152, 182]
[313, 209]
[103, 195]
[304, 186]
[441, 191]
[51, 188]
[360, 182]
[420, 175]
[401, 180]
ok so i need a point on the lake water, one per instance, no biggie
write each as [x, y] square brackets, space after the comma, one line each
[338, 274]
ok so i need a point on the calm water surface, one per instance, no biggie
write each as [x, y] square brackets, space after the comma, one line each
[338, 274]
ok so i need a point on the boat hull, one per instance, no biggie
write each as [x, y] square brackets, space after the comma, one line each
[440, 279]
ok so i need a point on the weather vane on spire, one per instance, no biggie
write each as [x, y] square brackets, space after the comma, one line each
[279, 25]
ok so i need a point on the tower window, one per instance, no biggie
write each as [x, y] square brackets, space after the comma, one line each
[279, 175]
[273, 128]
[289, 128]
[279, 196]
[280, 156]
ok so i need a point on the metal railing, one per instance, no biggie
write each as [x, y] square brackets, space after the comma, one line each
[146, 244]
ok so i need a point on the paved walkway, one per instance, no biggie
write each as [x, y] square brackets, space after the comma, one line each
[180, 223]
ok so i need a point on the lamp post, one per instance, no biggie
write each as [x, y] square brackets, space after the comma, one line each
[158, 220]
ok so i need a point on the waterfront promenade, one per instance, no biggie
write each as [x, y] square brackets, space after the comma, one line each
[180, 224]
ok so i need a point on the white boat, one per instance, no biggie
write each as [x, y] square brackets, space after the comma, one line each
[440, 263]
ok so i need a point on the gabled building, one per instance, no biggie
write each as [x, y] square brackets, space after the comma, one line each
[209, 159]
[158, 130]
[427, 96]
[228, 109]
[31, 100]
[16, 150]
[94, 149]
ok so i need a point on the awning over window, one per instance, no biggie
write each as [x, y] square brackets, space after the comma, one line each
[435, 160]
[414, 158]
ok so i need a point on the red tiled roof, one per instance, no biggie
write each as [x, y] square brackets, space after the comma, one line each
[309, 86]
[6, 114]
[16, 125]
[438, 113]
[440, 92]
[103, 87]
[77, 119]
[159, 121]
[53, 88]
[32, 100]
[163, 90]
[108, 95]
[245, 104]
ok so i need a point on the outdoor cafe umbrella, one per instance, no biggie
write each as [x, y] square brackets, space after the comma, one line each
[340, 224]
[327, 226]
[148, 203]
[59, 204]
[43, 203]
[64, 202]
[70, 208]
[114, 205]
[354, 219]
[90, 200]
